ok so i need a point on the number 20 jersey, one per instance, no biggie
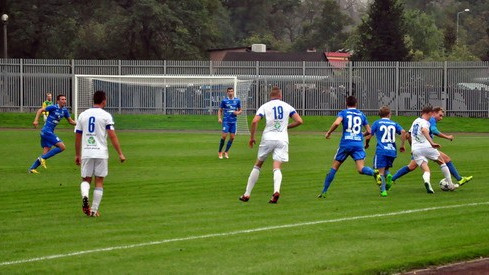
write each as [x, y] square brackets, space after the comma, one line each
[93, 125]
[353, 121]
[276, 113]
[385, 131]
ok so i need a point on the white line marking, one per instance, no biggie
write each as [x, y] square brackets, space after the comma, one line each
[237, 233]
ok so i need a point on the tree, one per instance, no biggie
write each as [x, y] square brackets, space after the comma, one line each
[425, 37]
[382, 33]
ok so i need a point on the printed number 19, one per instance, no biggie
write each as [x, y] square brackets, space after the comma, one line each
[278, 112]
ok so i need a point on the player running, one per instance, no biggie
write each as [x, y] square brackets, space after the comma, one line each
[351, 143]
[48, 137]
[275, 140]
[385, 131]
[230, 108]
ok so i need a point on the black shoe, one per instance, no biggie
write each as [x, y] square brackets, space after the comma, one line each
[274, 198]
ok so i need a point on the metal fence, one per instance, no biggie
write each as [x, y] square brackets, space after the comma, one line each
[313, 88]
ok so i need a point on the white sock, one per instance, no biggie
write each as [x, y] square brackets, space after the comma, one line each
[277, 180]
[97, 197]
[252, 179]
[446, 173]
[426, 177]
[85, 189]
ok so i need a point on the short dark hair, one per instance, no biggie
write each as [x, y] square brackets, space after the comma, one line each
[437, 109]
[427, 109]
[59, 96]
[230, 88]
[276, 91]
[384, 111]
[99, 97]
[351, 101]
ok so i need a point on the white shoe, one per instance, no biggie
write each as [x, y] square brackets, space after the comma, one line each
[219, 155]
[226, 155]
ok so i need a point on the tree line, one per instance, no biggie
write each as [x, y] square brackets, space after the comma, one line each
[410, 30]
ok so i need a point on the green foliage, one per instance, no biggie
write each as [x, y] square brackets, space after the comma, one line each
[425, 38]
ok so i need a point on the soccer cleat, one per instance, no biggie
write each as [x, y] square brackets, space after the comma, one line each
[322, 195]
[85, 206]
[429, 190]
[33, 171]
[388, 183]
[274, 198]
[454, 186]
[464, 180]
[43, 162]
[244, 198]
[377, 177]
[220, 155]
[383, 193]
[226, 155]
[94, 214]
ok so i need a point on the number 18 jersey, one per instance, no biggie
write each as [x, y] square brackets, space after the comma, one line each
[276, 113]
[353, 121]
[93, 125]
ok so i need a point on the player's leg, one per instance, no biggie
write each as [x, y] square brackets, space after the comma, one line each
[100, 172]
[223, 138]
[445, 171]
[232, 134]
[330, 177]
[383, 188]
[252, 179]
[461, 180]
[426, 176]
[86, 171]
[404, 170]
[280, 155]
[59, 147]
[45, 148]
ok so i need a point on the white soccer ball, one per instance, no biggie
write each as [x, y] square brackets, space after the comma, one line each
[445, 186]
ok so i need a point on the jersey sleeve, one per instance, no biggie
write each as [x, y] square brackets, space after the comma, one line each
[261, 111]
[222, 105]
[398, 129]
[50, 108]
[78, 126]
[238, 105]
[364, 119]
[109, 122]
[374, 127]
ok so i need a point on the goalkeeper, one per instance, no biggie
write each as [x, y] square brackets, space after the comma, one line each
[46, 103]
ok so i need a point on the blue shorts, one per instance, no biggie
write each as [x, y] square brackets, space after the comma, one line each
[381, 161]
[229, 127]
[49, 139]
[357, 153]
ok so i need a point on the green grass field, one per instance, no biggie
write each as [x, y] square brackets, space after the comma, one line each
[173, 208]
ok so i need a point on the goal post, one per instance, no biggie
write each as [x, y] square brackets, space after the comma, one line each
[157, 94]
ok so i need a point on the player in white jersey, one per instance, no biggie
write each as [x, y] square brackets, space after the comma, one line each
[423, 148]
[275, 140]
[92, 128]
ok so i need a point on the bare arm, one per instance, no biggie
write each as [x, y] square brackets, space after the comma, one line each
[297, 121]
[254, 126]
[238, 112]
[445, 136]
[403, 141]
[333, 127]
[115, 143]
[78, 137]
[219, 115]
[36, 120]
[71, 121]
[426, 134]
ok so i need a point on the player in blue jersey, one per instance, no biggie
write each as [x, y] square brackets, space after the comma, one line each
[48, 137]
[351, 144]
[385, 131]
[229, 109]
[437, 115]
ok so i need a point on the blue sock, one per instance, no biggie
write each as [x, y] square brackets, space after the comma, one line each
[453, 170]
[382, 186]
[35, 164]
[329, 178]
[51, 153]
[230, 142]
[401, 172]
[367, 171]
[221, 144]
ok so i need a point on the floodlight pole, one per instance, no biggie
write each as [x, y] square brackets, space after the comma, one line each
[4, 21]
[458, 20]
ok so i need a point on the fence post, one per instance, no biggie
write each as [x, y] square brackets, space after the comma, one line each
[445, 86]
[257, 92]
[350, 78]
[119, 68]
[397, 88]
[21, 86]
[164, 67]
[303, 88]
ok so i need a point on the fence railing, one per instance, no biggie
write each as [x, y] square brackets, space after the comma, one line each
[313, 88]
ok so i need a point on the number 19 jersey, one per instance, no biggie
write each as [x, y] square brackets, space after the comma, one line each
[93, 125]
[276, 113]
[353, 121]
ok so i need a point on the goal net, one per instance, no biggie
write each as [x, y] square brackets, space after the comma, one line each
[169, 95]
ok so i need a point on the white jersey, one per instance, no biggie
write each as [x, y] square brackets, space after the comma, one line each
[276, 113]
[93, 125]
[419, 141]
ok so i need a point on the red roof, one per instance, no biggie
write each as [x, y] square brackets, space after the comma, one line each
[337, 59]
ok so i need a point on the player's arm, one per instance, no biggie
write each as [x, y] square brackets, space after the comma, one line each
[36, 119]
[426, 134]
[297, 121]
[254, 126]
[333, 127]
[71, 121]
[219, 115]
[402, 148]
[238, 112]
[78, 138]
[437, 133]
[116, 144]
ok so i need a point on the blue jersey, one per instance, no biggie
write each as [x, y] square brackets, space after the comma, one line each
[385, 131]
[228, 106]
[433, 128]
[55, 115]
[353, 121]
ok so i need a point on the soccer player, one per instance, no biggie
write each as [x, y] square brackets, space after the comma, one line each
[438, 114]
[351, 143]
[230, 108]
[46, 103]
[48, 137]
[275, 140]
[423, 148]
[385, 131]
[91, 149]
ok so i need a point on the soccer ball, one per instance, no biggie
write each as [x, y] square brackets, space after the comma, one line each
[445, 186]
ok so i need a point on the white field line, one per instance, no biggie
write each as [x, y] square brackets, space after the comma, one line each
[246, 231]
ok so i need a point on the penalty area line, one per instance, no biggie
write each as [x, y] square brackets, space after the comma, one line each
[238, 232]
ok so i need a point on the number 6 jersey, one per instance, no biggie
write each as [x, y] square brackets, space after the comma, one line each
[93, 125]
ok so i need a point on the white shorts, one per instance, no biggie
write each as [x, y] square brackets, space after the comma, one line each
[279, 148]
[94, 167]
[423, 154]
